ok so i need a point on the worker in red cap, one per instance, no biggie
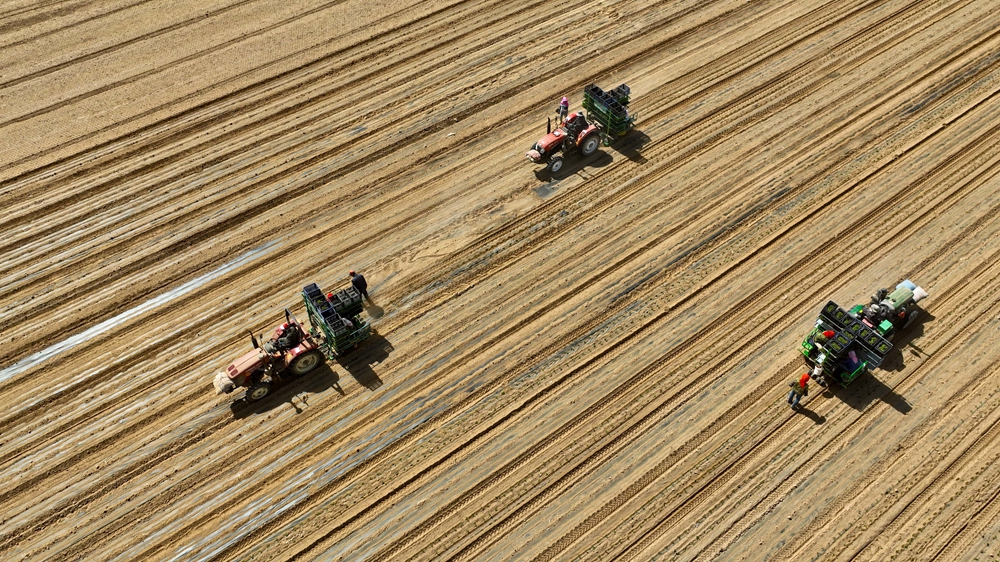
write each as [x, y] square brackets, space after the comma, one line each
[563, 109]
[359, 283]
[799, 390]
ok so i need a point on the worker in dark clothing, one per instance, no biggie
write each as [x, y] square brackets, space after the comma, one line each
[359, 283]
[799, 390]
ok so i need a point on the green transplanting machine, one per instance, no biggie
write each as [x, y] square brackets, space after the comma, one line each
[335, 328]
[610, 110]
[335, 319]
[844, 343]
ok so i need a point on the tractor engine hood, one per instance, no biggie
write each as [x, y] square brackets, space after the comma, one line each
[235, 374]
[550, 141]
[546, 146]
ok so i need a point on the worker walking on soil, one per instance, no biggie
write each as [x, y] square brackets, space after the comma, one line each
[563, 109]
[799, 390]
[359, 283]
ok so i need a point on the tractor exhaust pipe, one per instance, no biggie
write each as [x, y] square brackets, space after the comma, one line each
[548, 126]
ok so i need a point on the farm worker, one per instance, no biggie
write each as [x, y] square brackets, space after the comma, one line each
[359, 283]
[817, 372]
[799, 390]
[824, 337]
[563, 109]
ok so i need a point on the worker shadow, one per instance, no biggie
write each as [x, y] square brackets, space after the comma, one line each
[815, 417]
[374, 311]
[294, 391]
[867, 389]
[358, 362]
[630, 145]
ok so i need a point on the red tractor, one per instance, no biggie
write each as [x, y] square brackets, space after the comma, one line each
[575, 134]
[290, 352]
[607, 119]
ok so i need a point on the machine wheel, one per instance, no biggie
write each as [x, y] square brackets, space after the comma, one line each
[306, 362]
[555, 164]
[258, 391]
[590, 144]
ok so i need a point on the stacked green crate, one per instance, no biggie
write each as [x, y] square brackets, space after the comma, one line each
[339, 333]
[347, 302]
[609, 109]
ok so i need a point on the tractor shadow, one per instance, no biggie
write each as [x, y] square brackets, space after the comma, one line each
[358, 363]
[571, 166]
[295, 391]
[630, 145]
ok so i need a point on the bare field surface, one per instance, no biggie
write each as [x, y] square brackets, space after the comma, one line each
[588, 366]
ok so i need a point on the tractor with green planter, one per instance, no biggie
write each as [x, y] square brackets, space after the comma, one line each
[335, 327]
[844, 343]
[607, 119]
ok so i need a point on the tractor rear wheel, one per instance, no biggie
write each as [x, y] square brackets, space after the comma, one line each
[258, 391]
[306, 362]
[555, 164]
[590, 144]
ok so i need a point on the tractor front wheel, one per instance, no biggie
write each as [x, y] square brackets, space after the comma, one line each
[306, 362]
[590, 144]
[258, 391]
[555, 164]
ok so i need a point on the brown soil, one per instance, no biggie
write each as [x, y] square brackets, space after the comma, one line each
[587, 366]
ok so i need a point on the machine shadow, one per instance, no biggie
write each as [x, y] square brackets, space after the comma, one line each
[314, 382]
[630, 145]
[895, 359]
[868, 389]
[358, 363]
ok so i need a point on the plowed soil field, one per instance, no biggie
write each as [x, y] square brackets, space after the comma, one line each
[588, 365]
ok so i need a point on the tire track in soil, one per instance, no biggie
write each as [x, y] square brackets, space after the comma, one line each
[229, 103]
[249, 188]
[849, 233]
[914, 478]
[780, 490]
[975, 527]
[154, 71]
[110, 48]
[931, 178]
[28, 22]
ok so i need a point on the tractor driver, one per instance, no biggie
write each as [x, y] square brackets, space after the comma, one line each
[287, 338]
